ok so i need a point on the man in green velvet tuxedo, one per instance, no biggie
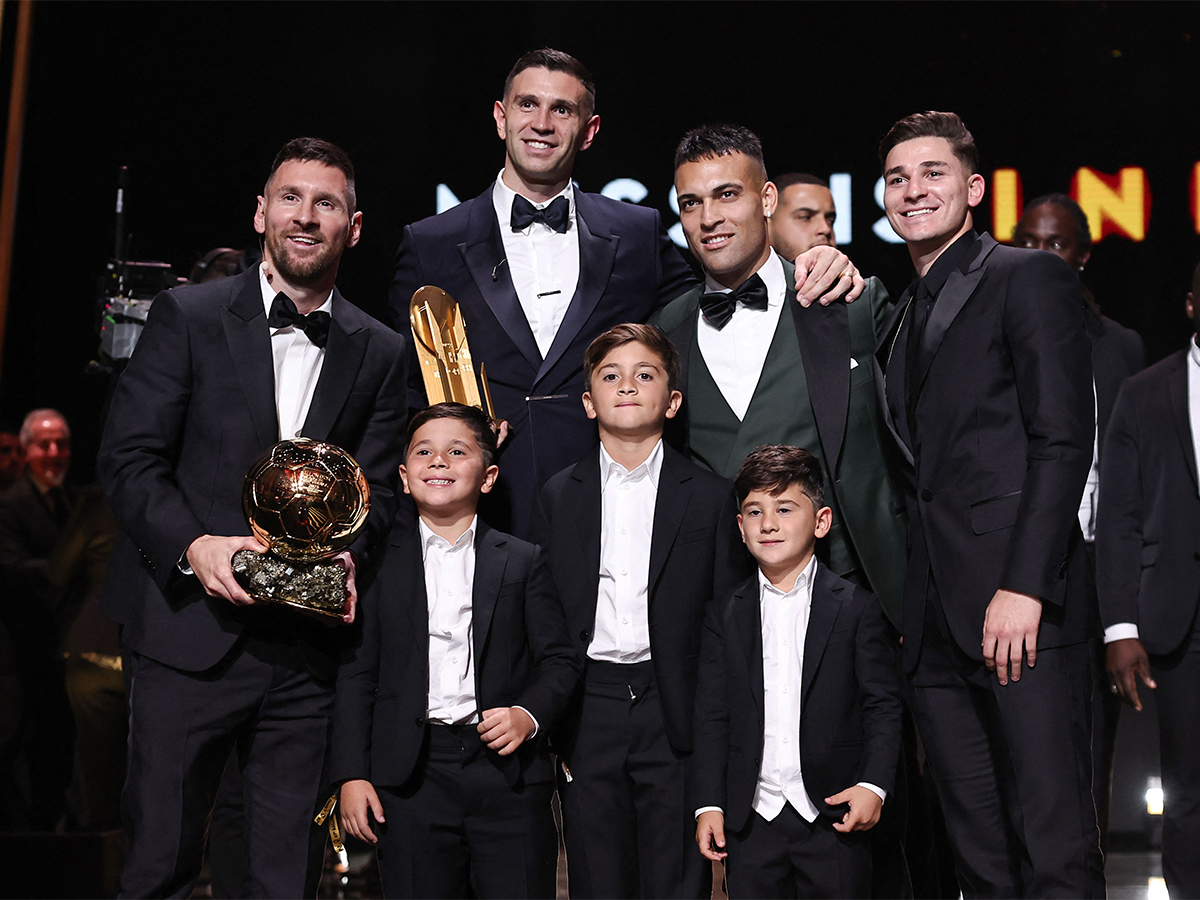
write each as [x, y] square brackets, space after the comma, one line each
[758, 368]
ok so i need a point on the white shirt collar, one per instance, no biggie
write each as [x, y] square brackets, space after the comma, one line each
[1194, 352]
[771, 273]
[803, 581]
[430, 539]
[651, 467]
[502, 200]
[268, 293]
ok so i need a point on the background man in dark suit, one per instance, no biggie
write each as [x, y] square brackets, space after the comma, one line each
[1148, 567]
[988, 392]
[33, 514]
[539, 269]
[221, 372]
[758, 369]
[1055, 222]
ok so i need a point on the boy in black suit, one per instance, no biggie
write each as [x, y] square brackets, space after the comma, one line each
[638, 539]
[797, 709]
[464, 663]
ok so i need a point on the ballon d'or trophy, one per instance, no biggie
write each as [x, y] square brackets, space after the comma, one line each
[441, 339]
[306, 501]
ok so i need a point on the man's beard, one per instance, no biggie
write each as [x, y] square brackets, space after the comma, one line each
[306, 272]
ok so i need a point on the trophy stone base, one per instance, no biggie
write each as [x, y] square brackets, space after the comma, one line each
[315, 586]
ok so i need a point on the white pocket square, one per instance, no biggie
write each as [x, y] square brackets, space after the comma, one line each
[853, 364]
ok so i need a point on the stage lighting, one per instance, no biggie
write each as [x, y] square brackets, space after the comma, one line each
[1154, 796]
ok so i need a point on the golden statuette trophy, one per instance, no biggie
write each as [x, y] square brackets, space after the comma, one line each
[306, 501]
[441, 339]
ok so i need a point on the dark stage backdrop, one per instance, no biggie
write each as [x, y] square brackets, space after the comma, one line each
[196, 98]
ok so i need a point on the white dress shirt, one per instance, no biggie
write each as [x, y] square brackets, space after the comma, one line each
[1125, 630]
[1091, 491]
[736, 353]
[784, 627]
[449, 580]
[543, 264]
[627, 499]
[298, 363]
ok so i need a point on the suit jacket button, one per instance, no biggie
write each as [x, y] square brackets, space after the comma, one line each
[583, 635]
[926, 495]
[420, 721]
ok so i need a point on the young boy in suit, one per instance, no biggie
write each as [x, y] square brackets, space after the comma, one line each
[798, 709]
[464, 665]
[638, 539]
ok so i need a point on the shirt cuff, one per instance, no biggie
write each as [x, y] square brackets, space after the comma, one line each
[536, 726]
[183, 565]
[1122, 631]
[705, 809]
[880, 792]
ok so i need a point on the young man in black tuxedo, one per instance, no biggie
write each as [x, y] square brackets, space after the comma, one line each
[1148, 567]
[988, 394]
[463, 669]
[222, 372]
[540, 268]
[797, 731]
[639, 540]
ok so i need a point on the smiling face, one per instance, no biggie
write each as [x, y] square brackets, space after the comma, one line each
[724, 202]
[48, 453]
[803, 219]
[629, 395]
[544, 121]
[305, 218]
[1048, 226]
[444, 470]
[928, 196]
[781, 531]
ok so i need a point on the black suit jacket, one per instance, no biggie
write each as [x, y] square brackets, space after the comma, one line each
[1148, 528]
[523, 657]
[191, 412]
[628, 267]
[1003, 444]
[695, 554]
[849, 693]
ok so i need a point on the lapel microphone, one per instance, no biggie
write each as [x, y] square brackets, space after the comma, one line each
[497, 268]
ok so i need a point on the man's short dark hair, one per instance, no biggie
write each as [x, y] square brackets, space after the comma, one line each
[785, 181]
[774, 468]
[477, 420]
[710, 141]
[933, 124]
[556, 61]
[308, 149]
[651, 337]
[1083, 233]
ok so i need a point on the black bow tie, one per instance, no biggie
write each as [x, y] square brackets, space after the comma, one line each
[555, 216]
[284, 313]
[717, 306]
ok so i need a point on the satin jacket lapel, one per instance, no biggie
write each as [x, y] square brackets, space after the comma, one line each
[826, 601]
[585, 500]
[597, 252]
[883, 365]
[1177, 387]
[483, 251]
[343, 356]
[491, 558]
[953, 297]
[411, 569]
[747, 619]
[674, 494]
[823, 333]
[245, 322]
